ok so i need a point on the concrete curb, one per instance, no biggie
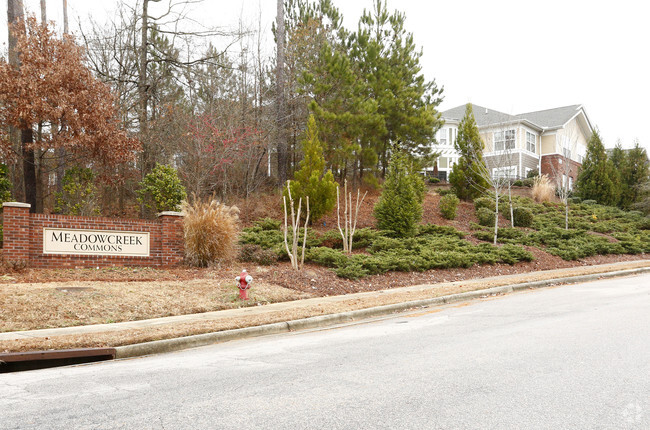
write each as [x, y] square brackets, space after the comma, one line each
[169, 345]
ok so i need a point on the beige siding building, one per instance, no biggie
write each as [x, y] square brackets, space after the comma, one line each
[515, 145]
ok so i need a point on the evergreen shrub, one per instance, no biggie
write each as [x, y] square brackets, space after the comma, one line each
[523, 217]
[310, 181]
[485, 216]
[400, 205]
[324, 256]
[485, 202]
[258, 255]
[448, 206]
[5, 184]
[161, 189]
[446, 192]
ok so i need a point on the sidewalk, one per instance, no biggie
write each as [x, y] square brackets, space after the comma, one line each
[326, 309]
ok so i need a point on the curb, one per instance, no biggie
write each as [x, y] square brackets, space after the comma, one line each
[170, 345]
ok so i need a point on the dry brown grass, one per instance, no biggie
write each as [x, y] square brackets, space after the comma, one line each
[543, 190]
[211, 230]
[301, 310]
[27, 306]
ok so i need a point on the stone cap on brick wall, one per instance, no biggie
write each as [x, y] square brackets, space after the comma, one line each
[15, 205]
[170, 213]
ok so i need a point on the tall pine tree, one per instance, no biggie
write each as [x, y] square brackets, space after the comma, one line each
[465, 178]
[389, 62]
[597, 178]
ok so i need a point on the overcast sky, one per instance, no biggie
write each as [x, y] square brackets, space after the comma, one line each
[513, 56]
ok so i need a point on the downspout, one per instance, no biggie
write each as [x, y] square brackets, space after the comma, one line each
[539, 160]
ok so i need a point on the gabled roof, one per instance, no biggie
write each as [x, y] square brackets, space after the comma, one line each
[543, 120]
[551, 118]
[483, 116]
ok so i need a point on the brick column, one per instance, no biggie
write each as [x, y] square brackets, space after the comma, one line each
[15, 247]
[172, 241]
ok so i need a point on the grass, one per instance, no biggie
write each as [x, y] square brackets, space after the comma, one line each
[45, 305]
[267, 314]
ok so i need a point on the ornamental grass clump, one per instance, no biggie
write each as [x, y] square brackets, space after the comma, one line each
[210, 230]
[543, 190]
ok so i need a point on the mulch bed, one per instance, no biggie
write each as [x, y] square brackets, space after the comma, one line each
[321, 281]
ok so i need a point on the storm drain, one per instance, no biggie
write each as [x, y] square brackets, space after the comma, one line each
[30, 360]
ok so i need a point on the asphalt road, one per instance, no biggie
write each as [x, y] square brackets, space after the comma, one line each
[569, 357]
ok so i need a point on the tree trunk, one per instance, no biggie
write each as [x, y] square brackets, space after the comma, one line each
[65, 16]
[15, 13]
[281, 102]
[496, 219]
[147, 159]
[29, 166]
[43, 12]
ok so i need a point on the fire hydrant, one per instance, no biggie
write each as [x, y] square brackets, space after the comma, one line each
[244, 280]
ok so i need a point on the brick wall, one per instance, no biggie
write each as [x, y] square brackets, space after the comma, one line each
[551, 166]
[23, 239]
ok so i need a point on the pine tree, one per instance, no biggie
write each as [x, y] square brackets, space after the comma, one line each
[595, 178]
[465, 177]
[389, 61]
[633, 169]
[310, 179]
[400, 206]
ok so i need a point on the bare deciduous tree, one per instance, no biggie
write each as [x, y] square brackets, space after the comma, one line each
[349, 218]
[295, 229]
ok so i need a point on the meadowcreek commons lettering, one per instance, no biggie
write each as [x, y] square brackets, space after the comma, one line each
[96, 241]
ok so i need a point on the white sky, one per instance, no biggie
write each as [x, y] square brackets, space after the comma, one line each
[513, 56]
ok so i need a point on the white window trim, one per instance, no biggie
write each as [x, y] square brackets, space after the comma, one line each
[442, 134]
[511, 175]
[514, 140]
[526, 143]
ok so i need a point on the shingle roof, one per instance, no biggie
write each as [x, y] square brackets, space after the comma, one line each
[483, 116]
[550, 118]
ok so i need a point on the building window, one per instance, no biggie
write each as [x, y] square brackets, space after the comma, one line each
[505, 172]
[504, 140]
[442, 136]
[531, 142]
[570, 183]
[566, 152]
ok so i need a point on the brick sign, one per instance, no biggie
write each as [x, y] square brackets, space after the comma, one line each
[95, 242]
[51, 241]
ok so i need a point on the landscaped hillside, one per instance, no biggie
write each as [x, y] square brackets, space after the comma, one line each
[594, 232]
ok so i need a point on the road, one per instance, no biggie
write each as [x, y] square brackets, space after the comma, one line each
[575, 356]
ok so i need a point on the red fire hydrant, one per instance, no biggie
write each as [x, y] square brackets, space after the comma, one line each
[244, 280]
